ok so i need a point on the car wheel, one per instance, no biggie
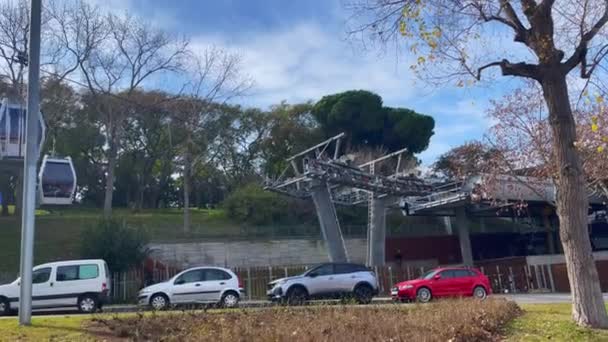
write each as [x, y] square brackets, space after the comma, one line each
[5, 307]
[87, 304]
[424, 295]
[159, 302]
[297, 296]
[230, 300]
[364, 294]
[480, 293]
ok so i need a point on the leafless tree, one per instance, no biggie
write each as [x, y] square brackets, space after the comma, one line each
[14, 28]
[215, 78]
[114, 55]
[455, 40]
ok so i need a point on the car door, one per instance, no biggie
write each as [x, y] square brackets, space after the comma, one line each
[442, 286]
[463, 282]
[42, 290]
[321, 281]
[73, 280]
[215, 280]
[187, 287]
[346, 276]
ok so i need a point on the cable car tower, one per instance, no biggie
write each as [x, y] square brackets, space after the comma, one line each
[321, 173]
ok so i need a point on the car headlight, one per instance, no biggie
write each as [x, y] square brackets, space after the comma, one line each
[406, 287]
[143, 291]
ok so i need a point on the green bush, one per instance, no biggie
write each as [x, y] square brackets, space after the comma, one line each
[252, 204]
[120, 245]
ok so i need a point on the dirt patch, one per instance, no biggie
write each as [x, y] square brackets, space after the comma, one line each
[455, 320]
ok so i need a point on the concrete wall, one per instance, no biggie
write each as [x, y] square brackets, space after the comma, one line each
[551, 259]
[253, 253]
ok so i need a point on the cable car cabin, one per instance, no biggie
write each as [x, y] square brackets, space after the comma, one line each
[56, 181]
[12, 130]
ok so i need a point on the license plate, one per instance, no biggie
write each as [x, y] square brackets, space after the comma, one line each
[394, 293]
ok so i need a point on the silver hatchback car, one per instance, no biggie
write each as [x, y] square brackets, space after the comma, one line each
[326, 281]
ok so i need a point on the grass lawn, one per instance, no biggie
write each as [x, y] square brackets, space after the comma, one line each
[69, 328]
[543, 322]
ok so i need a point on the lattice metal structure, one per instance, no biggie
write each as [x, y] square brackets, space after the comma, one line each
[346, 181]
[321, 173]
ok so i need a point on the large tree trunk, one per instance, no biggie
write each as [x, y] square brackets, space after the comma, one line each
[109, 191]
[572, 207]
[187, 180]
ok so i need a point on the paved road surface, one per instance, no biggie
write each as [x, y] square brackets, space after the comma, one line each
[540, 298]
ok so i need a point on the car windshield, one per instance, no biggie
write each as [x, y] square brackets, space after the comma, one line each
[429, 274]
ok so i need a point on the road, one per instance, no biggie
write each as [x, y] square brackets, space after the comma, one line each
[536, 298]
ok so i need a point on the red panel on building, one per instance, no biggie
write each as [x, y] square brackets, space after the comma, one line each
[443, 248]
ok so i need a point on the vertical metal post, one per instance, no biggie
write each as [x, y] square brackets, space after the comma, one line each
[29, 167]
[542, 274]
[551, 282]
[376, 229]
[249, 282]
[511, 280]
[124, 286]
[462, 224]
[499, 278]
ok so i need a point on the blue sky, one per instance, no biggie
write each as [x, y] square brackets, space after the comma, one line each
[298, 50]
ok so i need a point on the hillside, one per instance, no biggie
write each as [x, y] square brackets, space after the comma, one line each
[58, 232]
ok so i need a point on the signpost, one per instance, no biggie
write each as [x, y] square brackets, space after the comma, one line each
[29, 167]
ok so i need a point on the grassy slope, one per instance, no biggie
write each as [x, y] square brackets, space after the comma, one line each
[58, 232]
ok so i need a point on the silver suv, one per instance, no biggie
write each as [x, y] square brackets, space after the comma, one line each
[326, 281]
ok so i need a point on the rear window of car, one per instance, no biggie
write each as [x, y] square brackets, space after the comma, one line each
[77, 272]
[214, 274]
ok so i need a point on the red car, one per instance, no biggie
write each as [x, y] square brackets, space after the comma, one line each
[443, 282]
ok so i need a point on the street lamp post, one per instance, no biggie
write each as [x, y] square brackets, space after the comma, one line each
[29, 168]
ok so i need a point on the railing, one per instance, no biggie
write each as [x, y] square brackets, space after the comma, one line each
[254, 279]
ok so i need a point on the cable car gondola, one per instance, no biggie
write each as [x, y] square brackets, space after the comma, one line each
[56, 181]
[12, 130]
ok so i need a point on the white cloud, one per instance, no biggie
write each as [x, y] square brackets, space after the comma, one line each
[304, 62]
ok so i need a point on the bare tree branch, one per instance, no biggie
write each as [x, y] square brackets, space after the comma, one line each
[580, 53]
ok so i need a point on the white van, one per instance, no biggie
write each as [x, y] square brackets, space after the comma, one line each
[84, 284]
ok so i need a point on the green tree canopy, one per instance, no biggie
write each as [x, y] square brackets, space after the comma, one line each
[362, 116]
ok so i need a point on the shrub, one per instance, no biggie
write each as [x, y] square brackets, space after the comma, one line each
[252, 204]
[120, 245]
[453, 320]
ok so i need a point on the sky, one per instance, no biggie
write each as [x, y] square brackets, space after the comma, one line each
[299, 50]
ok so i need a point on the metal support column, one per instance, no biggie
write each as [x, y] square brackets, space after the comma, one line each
[29, 169]
[462, 223]
[328, 220]
[377, 232]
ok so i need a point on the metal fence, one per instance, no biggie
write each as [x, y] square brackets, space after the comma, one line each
[254, 279]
